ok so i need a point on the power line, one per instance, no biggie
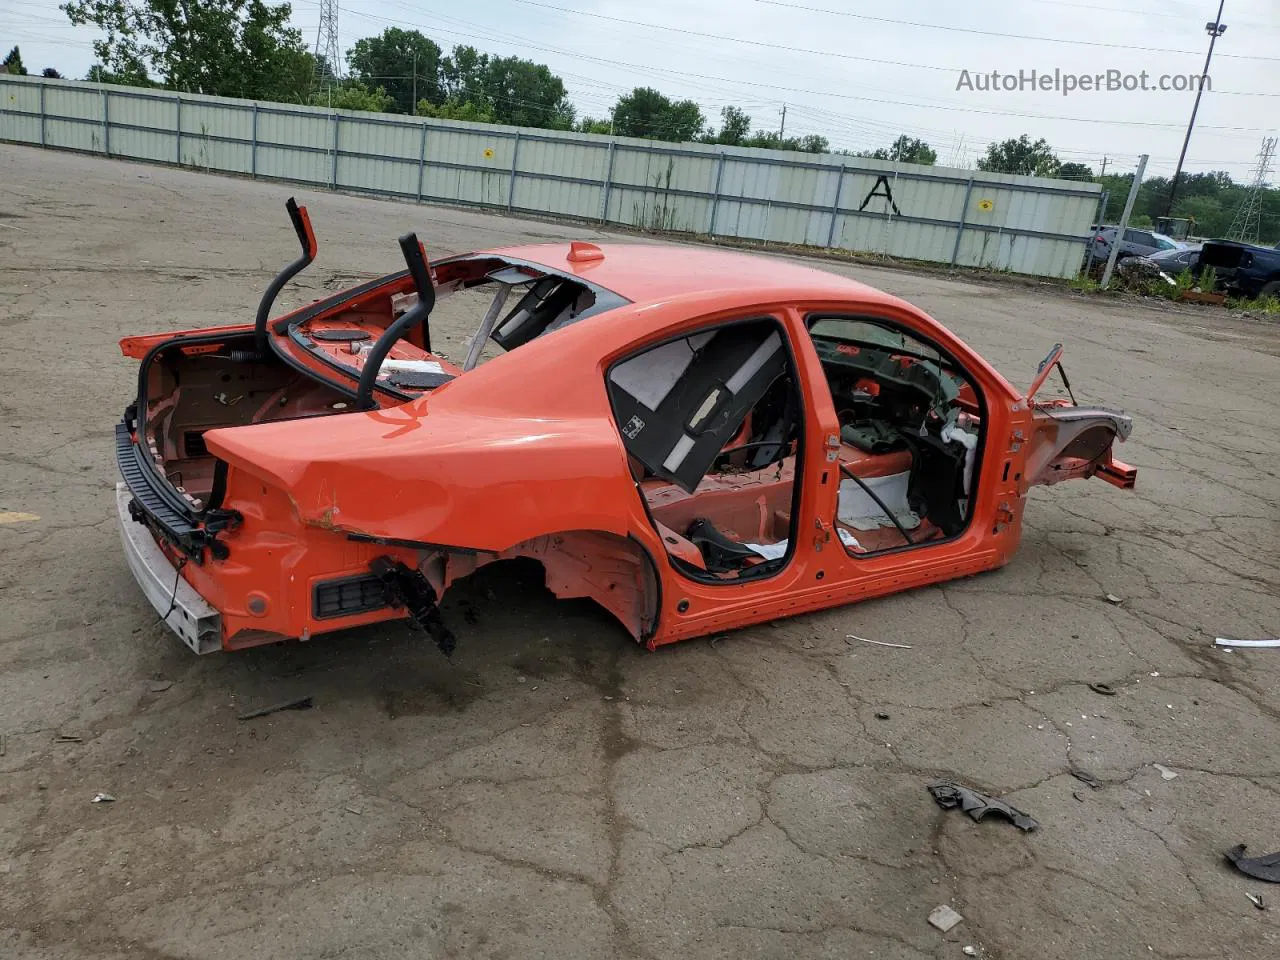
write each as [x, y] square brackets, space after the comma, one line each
[753, 43]
[994, 33]
[780, 46]
[530, 44]
[1073, 6]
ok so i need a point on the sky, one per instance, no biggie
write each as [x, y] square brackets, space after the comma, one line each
[859, 72]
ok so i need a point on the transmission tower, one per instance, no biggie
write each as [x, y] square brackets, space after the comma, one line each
[326, 51]
[1248, 219]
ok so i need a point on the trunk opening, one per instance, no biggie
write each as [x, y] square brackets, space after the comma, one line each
[188, 390]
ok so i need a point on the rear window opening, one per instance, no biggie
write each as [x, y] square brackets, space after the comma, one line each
[506, 303]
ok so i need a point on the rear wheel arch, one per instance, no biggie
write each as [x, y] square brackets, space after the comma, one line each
[616, 572]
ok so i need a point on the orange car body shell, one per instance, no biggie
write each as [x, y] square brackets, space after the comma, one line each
[521, 456]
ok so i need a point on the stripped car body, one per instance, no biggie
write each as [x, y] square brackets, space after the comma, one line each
[696, 440]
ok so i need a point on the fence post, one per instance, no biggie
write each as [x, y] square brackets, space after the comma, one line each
[964, 212]
[608, 182]
[106, 123]
[1098, 218]
[1124, 220]
[177, 146]
[333, 175]
[511, 186]
[715, 196]
[42, 113]
[422, 158]
[253, 148]
[835, 209]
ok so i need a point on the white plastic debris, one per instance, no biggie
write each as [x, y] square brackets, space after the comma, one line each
[1227, 642]
[775, 551]
[1165, 772]
[970, 951]
[880, 643]
[103, 798]
[944, 918]
[1112, 598]
[770, 551]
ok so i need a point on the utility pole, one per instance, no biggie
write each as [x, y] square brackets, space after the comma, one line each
[415, 82]
[1215, 29]
[1124, 221]
[1104, 168]
[782, 132]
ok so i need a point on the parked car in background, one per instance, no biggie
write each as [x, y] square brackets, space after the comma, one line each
[1136, 243]
[1169, 262]
[1244, 268]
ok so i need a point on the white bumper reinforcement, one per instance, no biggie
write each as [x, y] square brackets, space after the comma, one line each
[189, 615]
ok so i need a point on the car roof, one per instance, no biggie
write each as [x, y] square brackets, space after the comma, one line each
[649, 272]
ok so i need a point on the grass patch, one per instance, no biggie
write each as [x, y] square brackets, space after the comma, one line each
[1159, 287]
[1083, 283]
[1268, 305]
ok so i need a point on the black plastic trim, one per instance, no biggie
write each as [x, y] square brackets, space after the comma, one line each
[363, 603]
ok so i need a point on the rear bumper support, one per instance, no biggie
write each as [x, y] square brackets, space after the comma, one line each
[187, 613]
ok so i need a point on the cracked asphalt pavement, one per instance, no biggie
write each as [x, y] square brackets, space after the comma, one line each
[556, 791]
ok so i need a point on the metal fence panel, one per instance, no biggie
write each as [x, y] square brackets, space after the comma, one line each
[284, 163]
[1023, 224]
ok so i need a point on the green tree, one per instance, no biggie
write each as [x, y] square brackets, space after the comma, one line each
[233, 48]
[457, 110]
[773, 140]
[50, 74]
[905, 150]
[735, 127]
[1020, 156]
[463, 73]
[526, 94]
[510, 90]
[1075, 171]
[392, 60]
[12, 63]
[352, 95]
[644, 112]
[592, 125]
[100, 74]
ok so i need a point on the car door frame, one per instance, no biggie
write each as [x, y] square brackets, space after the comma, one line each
[991, 536]
[695, 607]
[821, 573]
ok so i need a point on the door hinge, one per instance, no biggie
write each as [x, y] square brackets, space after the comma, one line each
[1004, 516]
[833, 447]
[822, 536]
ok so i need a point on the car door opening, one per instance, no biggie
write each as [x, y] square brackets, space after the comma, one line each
[911, 431]
[712, 426]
